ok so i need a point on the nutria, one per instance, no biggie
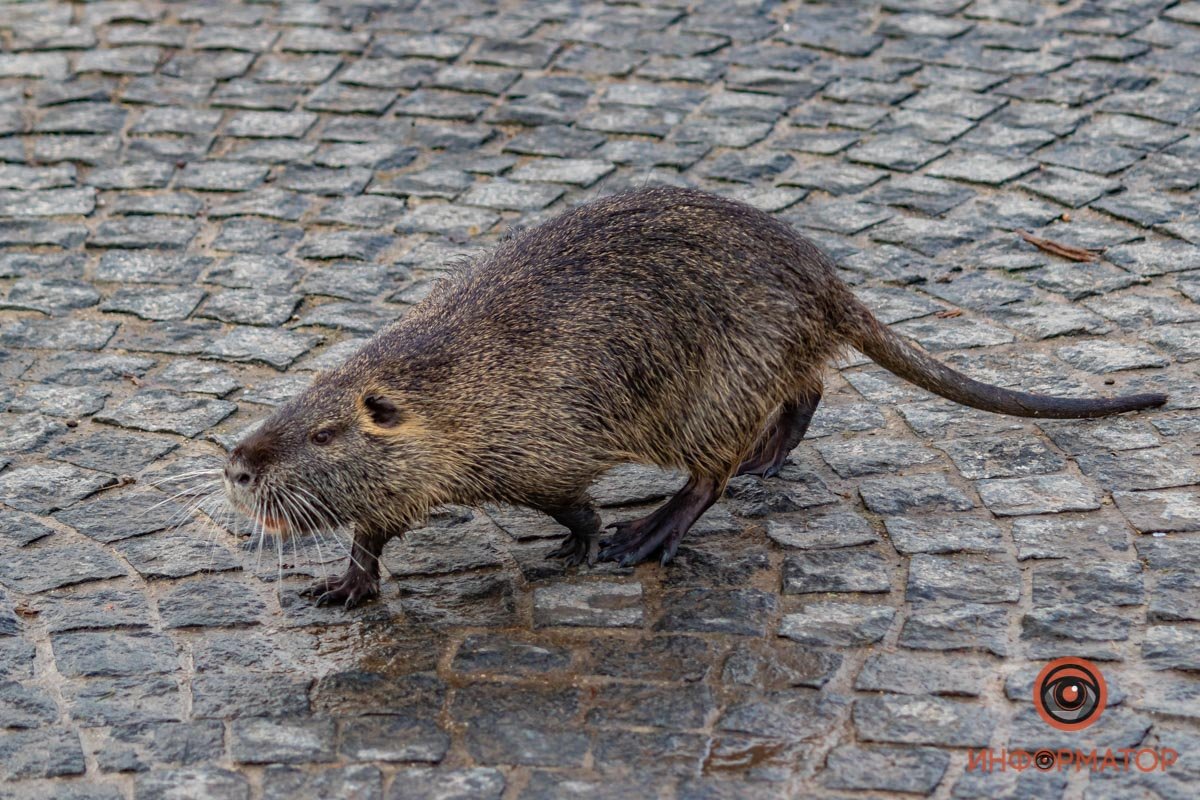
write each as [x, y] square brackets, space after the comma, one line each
[662, 326]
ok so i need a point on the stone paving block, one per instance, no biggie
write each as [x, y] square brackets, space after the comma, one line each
[209, 603]
[1055, 537]
[924, 673]
[244, 93]
[159, 305]
[164, 411]
[173, 337]
[281, 782]
[483, 600]
[176, 554]
[1052, 631]
[228, 695]
[666, 657]
[363, 210]
[93, 609]
[909, 719]
[931, 492]
[445, 784]
[530, 724]
[898, 152]
[46, 753]
[1002, 457]
[271, 203]
[135, 266]
[71, 402]
[258, 740]
[903, 769]
[944, 533]
[57, 335]
[739, 611]
[43, 489]
[1152, 468]
[661, 753]
[780, 664]
[790, 714]
[437, 181]
[967, 578]
[1104, 584]
[504, 195]
[650, 705]
[839, 570]
[195, 782]
[1042, 494]
[837, 624]
[25, 706]
[713, 563]
[48, 203]
[870, 455]
[149, 232]
[115, 516]
[21, 529]
[492, 653]
[140, 747]
[957, 626]
[113, 654]
[125, 700]
[251, 307]
[278, 349]
[589, 604]
[203, 377]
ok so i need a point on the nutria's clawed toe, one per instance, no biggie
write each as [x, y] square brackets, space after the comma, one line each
[574, 550]
[350, 590]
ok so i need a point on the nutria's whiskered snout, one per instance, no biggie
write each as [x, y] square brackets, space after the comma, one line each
[337, 453]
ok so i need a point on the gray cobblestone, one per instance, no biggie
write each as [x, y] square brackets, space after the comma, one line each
[204, 203]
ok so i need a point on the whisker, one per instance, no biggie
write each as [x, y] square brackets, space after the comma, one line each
[279, 553]
[259, 531]
[181, 476]
[301, 515]
[180, 517]
[349, 551]
[170, 498]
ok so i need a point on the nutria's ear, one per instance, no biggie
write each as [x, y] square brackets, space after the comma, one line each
[383, 411]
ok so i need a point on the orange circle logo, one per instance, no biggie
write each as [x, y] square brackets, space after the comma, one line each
[1070, 694]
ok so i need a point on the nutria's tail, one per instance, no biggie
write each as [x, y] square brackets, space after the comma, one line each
[896, 355]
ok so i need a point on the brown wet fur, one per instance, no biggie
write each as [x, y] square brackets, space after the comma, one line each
[662, 326]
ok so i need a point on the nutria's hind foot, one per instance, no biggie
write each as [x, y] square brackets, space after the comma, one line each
[351, 590]
[660, 531]
[574, 550]
[766, 460]
[580, 545]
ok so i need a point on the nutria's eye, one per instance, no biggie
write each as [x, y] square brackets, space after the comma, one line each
[324, 436]
[383, 411]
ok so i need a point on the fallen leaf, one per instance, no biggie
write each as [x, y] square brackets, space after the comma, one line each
[1059, 249]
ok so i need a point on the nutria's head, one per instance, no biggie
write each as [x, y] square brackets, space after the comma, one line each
[350, 448]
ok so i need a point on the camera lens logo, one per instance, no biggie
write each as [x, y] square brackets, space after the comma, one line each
[1070, 693]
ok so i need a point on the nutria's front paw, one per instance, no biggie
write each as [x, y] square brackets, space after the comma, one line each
[575, 550]
[350, 590]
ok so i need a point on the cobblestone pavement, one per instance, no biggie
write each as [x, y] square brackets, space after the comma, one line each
[203, 203]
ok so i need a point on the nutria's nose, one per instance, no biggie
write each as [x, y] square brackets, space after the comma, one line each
[239, 470]
[239, 474]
